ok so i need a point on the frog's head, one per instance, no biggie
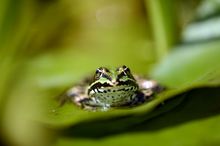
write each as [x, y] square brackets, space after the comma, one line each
[106, 81]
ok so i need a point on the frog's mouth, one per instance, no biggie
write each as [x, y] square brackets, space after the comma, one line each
[128, 82]
[112, 85]
[99, 85]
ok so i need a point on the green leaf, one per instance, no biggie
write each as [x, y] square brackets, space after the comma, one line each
[185, 68]
[187, 124]
[69, 115]
[190, 65]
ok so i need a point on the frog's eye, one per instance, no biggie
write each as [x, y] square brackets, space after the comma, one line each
[124, 71]
[98, 71]
[102, 72]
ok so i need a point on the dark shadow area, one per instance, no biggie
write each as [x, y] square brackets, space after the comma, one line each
[193, 105]
[3, 141]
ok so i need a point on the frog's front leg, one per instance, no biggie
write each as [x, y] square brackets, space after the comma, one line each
[77, 93]
[78, 96]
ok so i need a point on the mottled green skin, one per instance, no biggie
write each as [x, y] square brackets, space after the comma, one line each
[115, 88]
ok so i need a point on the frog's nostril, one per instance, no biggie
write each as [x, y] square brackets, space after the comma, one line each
[114, 81]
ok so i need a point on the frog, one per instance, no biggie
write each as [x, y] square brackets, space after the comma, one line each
[115, 88]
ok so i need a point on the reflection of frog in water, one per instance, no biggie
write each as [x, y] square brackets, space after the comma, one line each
[116, 88]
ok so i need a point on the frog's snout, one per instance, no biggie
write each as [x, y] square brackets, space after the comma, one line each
[114, 82]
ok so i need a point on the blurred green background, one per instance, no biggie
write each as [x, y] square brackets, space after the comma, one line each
[48, 45]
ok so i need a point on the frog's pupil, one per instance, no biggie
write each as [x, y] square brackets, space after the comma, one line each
[98, 71]
[127, 70]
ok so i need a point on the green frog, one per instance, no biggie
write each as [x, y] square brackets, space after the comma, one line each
[112, 89]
